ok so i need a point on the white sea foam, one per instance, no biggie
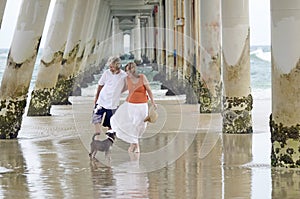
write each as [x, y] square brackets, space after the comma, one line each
[259, 53]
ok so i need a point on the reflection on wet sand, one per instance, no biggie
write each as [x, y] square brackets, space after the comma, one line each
[12, 168]
[237, 151]
[55, 163]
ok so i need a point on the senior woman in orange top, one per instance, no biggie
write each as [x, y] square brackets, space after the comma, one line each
[128, 121]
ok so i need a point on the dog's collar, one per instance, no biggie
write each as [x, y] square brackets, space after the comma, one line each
[112, 140]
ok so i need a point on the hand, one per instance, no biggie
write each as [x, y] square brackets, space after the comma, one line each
[154, 105]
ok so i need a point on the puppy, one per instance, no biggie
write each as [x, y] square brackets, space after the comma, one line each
[104, 145]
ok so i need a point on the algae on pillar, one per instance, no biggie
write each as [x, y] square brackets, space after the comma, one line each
[50, 63]
[20, 64]
[66, 77]
[285, 117]
[237, 98]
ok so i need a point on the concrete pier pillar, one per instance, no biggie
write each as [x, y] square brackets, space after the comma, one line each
[188, 40]
[157, 33]
[102, 34]
[132, 41]
[150, 39]
[179, 38]
[143, 41]
[137, 41]
[49, 67]
[66, 77]
[237, 98]
[210, 69]
[189, 54]
[115, 31]
[170, 28]
[89, 37]
[197, 36]
[285, 117]
[159, 23]
[195, 74]
[84, 37]
[121, 43]
[20, 63]
[2, 8]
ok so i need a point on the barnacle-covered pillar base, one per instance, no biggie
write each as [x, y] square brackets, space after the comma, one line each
[62, 91]
[285, 145]
[237, 117]
[40, 103]
[11, 112]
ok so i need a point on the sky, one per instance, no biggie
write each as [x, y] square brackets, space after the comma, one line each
[259, 15]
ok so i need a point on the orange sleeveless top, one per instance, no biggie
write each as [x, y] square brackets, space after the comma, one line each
[137, 91]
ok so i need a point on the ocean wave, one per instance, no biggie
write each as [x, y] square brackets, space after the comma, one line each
[261, 54]
[3, 55]
[262, 94]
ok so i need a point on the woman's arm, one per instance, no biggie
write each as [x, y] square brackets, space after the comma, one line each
[149, 91]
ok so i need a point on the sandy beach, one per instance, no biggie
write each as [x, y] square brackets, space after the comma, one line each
[183, 155]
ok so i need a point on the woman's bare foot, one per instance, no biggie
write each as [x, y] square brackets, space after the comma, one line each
[137, 148]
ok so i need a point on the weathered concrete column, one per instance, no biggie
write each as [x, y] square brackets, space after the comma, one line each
[102, 34]
[197, 38]
[121, 46]
[162, 35]
[2, 8]
[210, 69]
[20, 64]
[92, 36]
[188, 41]
[50, 64]
[196, 34]
[237, 99]
[285, 118]
[189, 55]
[117, 38]
[157, 37]
[107, 41]
[137, 40]
[143, 41]
[179, 40]
[150, 39]
[132, 41]
[84, 37]
[66, 77]
[170, 27]
[115, 31]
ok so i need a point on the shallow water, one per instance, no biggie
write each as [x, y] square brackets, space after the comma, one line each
[182, 156]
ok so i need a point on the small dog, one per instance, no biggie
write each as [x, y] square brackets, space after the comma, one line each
[104, 145]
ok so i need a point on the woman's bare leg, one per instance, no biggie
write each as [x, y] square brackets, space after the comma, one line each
[131, 148]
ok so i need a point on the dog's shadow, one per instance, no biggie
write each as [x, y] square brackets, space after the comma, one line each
[102, 174]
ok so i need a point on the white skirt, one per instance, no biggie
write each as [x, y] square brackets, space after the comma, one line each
[128, 121]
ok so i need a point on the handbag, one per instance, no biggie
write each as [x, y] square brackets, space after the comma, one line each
[152, 115]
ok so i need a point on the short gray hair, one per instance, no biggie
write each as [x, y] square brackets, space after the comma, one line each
[113, 59]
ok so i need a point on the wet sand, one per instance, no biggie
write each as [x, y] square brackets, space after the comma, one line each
[183, 155]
